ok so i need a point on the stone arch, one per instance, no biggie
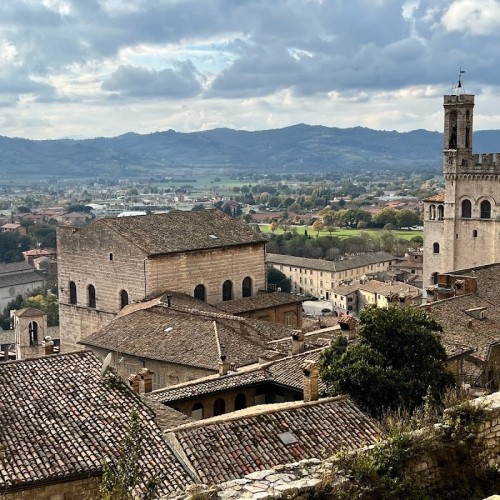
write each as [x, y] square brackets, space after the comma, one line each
[246, 287]
[227, 290]
[466, 209]
[435, 247]
[124, 299]
[197, 411]
[73, 298]
[432, 212]
[240, 402]
[200, 292]
[33, 332]
[440, 212]
[219, 407]
[91, 301]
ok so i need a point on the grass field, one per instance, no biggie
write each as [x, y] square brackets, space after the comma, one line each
[346, 233]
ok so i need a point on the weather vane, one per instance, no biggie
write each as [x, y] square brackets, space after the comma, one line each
[458, 87]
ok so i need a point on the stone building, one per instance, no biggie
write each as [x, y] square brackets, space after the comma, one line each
[317, 277]
[116, 261]
[461, 225]
[18, 278]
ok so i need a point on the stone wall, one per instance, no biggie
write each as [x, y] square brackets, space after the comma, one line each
[83, 489]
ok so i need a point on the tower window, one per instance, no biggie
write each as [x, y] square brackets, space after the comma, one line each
[440, 212]
[485, 209]
[474, 233]
[246, 288]
[91, 296]
[33, 331]
[72, 293]
[435, 247]
[123, 299]
[227, 290]
[432, 212]
[466, 209]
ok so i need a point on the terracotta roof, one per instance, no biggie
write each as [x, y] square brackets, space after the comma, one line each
[286, 372]
[262, 437]
[173, 232]
[264, 300]
[187, 336]
[439, 198]
[331, 265]
[29, 312]
[394, 288]
[59, 418]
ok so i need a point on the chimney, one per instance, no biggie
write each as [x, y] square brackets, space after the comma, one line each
[145, 380]
[223, 365]
[48, 345]
[298, 342]
[133, 382]
[311, 381]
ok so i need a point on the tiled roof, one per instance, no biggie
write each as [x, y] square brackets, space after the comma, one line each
[396, 287]
[20, 278]
[14, 267]
[59, 418]
[28, 312]
[231, 446]
[158, 234]
[438, 198]
[7, 337]
[286, 372]
[187, 336]
[264, 300]
[330, 265]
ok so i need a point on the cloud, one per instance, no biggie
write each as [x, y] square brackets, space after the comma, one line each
[476, 17]
[129, 81]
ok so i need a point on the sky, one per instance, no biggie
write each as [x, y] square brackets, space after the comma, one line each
[101, 68]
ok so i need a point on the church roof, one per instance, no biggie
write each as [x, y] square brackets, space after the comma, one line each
[174, 232]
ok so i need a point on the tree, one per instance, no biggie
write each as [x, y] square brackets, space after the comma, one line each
[318, 226]
[122, 477]
[276, 277]
[396, 362]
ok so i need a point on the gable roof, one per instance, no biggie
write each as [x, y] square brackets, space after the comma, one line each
[59, 418]
[29, 312]
[264, 300]
[234, 445]
[158, 234]
[188, 336]
[331, 265]
[286, 372]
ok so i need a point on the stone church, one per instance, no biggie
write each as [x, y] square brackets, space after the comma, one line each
[462, 225]
[112, 262]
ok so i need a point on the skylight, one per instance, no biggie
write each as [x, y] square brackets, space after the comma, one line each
[213, 236]
[168, 329]
[288, 437]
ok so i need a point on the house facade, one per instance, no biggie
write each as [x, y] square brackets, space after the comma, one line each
[113, 262]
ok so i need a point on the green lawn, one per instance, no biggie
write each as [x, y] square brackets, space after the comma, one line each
[346, 233]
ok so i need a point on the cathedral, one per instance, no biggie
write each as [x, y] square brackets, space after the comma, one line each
[462, 225]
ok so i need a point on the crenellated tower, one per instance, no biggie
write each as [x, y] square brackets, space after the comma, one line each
[462, 225]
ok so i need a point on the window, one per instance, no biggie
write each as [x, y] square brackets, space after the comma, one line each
[91, 296]
[227, 290]
[240, 402]
[289, 319]
[123, 299]
[466, 209]
[157, 381]
[485, 208]
[33, 331]
[110, 256]
[435, 247]
[219, 407]
[474, 233]
[72, 293]
[434, 278]
[432, 212]
[200, 293]
[440, 212]
[246, 287]
[197, 411]
[260, 396]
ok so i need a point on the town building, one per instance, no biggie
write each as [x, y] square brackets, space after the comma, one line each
[13, 227]
[18, 278]
[462, 225]
[113, 262]
[60, 417]
[317, 277]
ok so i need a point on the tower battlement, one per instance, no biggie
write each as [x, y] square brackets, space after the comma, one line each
[458, 99]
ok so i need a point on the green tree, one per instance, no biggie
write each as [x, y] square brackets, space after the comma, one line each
[46, 303]
[407, 218]
[122, 477]
[276, 277]
[396, 362]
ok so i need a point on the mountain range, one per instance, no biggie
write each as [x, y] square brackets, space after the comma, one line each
[298, 148]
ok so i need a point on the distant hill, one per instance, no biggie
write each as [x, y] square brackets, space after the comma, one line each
[297, 148]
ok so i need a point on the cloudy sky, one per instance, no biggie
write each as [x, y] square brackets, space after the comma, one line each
[86, 68]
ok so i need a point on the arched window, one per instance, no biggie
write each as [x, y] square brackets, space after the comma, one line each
[227, 290]
[435, 247]
[246, 287]
[466, 209]
[91, 296]
[452, 141]
[219, 407]
[440, 212]
[474, 233]
[240, 402]
[432, 212]
[199, 293]
[197, 411]
[33, 331]
[485, 208]
[123, 299]
[72, 293]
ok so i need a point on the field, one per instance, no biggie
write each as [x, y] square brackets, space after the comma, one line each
[346, 233]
